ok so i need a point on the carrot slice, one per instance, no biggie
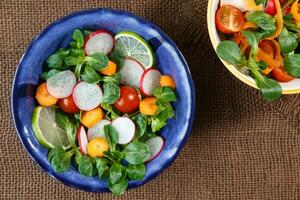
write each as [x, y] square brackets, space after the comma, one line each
[43, 96]
[167, 81]
[279, 21]
[148, 106]
[110, 69]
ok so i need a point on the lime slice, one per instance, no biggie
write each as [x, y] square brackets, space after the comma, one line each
[134, 46]
[46, 130]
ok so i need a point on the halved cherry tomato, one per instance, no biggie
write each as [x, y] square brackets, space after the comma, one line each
[97, 146]
[271, 8]
[148, 106]
[67, 105]
[229, 19]
[281, 75]
[128, 101]
[90, 118]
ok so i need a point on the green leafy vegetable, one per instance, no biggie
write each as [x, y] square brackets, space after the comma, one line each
[67, 123]
[140, 121]
[263, 2]
[56, 61]
[165, 94]
[78, 38]
[292, 65]
[97, 60]
[111, 113]
[111, 136]
[102, 167]
[90, 75]
[266, 22]
[290, 24]
[116, 78]
[136, 153]
[120, 187]
[136, 172]
[271, 90]
[48, 74]
[86, 166]
[116, 173]
[288, 41]
[111, 93]
[230, 52]
[60, 159]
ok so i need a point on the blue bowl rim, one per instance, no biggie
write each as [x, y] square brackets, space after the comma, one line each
[133, 184]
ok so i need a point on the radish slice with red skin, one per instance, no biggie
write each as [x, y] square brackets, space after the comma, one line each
[61, 85]
[155, 145]
[131, 72]
[125, 128]
[97, 130]
[149, 81]
[82, 139]
[99, 41]
[87, 96]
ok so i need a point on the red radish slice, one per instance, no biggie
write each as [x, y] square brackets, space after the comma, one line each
[82, 140]
[99, 41]
[131, 72]
[149, 81]
[87, 96]
[155, 145]
[125, 128]
[61, 85]
[97, 130]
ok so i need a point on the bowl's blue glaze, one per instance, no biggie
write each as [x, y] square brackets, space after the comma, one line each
[58, 34]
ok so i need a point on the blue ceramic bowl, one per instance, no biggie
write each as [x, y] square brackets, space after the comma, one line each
[58, 34]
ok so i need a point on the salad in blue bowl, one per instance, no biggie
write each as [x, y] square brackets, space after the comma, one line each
[103, 100]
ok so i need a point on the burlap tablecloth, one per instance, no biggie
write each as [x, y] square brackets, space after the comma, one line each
[241, 147]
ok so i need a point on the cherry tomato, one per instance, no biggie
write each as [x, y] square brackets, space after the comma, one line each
[281, 75]
[229, 19]
[67, 105]
[271, 8]
[128, 101]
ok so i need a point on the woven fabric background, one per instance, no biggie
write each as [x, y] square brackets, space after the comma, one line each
[241, 147]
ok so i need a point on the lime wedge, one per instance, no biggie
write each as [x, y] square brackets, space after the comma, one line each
[46, 130]
[134, 46]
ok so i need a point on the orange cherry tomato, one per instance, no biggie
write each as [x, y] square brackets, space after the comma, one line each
[43, 97]
[67, 105]
[167, 81]
[97, 146]
[229, 19]
[90, 118]
[281, 75]
[110, 69]
[148, 106]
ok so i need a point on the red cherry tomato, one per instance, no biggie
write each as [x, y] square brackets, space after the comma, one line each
[128, 101]
[229, 19]
[271, 8]
[67, 105]
[281, 75]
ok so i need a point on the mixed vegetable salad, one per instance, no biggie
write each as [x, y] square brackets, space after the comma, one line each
[261, 38]
[100, 106]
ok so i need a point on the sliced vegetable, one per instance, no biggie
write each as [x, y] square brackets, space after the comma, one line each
[87, 96]
[97, 130]
[43, 96]
[61, 85]
[281, 75]
[99, 41]
[149, 81]
[90, 118]
[279, 21]
[272, 57]
[128, 101]
[155, 145]
[125, 128]
[167, 81]
[110, 69]
[129, 44]
[229, 19]
[68, 105]
[97, 146]
[82, 140]
[131, 72]
[148, 106]
[295, 11]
